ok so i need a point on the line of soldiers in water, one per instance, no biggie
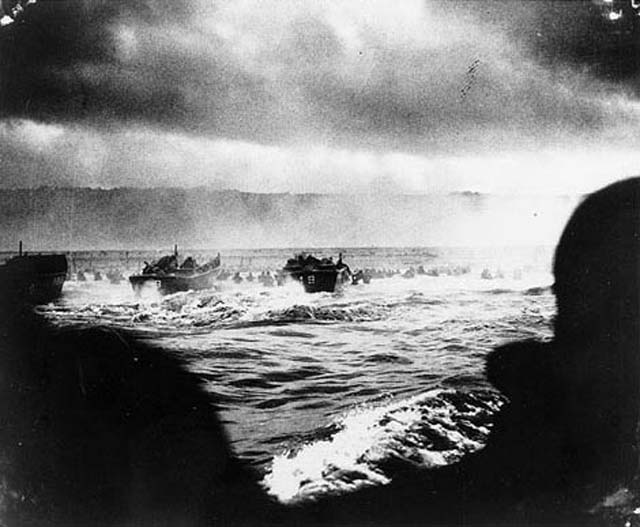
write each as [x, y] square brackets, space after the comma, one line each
[113, 275]
[269, 278]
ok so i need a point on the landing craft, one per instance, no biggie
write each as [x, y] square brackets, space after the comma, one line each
[316, 274]
[34, 278]
[171, 276]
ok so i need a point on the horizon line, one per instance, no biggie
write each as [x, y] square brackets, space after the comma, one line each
[437, 192]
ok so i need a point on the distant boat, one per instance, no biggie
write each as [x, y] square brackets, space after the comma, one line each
[170, 276]
[33, 278]
[316, 274]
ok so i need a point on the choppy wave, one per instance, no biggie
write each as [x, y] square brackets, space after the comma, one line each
[366, 446]
[181, 310]
[307, 312]
[205, 309]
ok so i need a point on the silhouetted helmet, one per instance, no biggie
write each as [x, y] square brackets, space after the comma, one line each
[597, 263]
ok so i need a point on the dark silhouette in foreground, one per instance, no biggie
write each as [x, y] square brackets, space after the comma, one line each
[99, 428]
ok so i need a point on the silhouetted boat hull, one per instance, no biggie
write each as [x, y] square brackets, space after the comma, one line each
[35, 279]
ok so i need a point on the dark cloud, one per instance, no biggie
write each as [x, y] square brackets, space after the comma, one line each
[425, 77]
[60, 62]
[69, 60]
[599, 36]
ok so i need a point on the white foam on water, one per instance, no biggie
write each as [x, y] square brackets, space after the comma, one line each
[367, 437]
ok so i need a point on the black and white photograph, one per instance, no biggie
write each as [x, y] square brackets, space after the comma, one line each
[319, 263]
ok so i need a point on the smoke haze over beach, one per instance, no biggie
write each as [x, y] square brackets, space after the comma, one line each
[326, 97]
[126, 218]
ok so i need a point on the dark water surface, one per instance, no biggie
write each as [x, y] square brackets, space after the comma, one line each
[323, 392]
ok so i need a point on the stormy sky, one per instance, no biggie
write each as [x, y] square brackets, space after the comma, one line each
[406, 96]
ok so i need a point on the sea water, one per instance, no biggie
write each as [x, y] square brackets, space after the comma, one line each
[331, 392]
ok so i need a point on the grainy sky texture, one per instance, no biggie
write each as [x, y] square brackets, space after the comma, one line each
[410, 96]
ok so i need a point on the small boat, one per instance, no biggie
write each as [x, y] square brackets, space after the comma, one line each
[170, 276]
[33, 278]
[316, 274]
